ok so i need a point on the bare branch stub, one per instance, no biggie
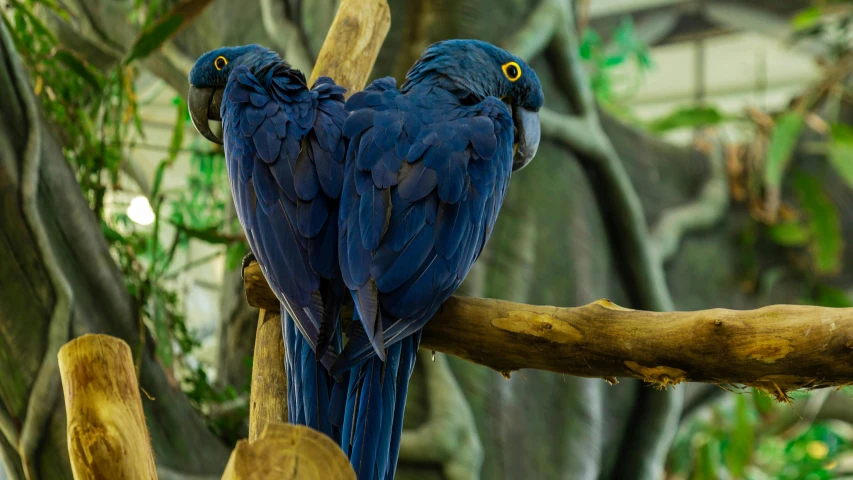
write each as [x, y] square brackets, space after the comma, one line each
[107, 435]
[353, 43]
[784, 346]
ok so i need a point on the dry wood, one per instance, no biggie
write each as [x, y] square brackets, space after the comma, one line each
[107, 436]
[268, 398]
[288, 452]
[353, 42]
[777, 348]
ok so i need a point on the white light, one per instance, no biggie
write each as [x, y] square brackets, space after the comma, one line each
[140, 211]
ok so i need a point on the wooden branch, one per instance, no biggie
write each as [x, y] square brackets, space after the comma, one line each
[288, 452]
[353, 43]
[107, 436]
[777, 348]
[268, 398]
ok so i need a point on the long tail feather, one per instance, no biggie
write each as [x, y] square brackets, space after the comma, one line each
[373, 415]
[309, 385]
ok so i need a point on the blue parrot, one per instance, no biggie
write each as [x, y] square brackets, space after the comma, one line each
[427, 169]
[387, 200]
[284, 151]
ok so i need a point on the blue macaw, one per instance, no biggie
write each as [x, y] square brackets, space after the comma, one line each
[284, 151]
[427, 169]
[416, 194]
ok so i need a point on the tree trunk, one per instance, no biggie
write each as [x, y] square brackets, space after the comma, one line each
[58, 282]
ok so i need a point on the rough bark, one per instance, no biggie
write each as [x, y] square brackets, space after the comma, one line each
[777, 348]
[288, 452]
[107, 436]
[51, 239]
[268, 399]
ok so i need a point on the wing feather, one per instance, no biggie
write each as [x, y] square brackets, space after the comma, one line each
[420, 170]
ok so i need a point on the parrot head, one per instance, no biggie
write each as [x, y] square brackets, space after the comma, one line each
[474, 70]
[209, 76]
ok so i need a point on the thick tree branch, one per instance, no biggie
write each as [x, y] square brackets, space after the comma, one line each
[353, 43]
[46, 387]
[288, 452]
[777, 348]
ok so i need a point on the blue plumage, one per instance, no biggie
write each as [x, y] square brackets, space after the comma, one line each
[285, 151]
[391, 198]
[426, 172]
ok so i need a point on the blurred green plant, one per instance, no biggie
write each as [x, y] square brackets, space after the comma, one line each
[741, 437]
[749, 436]
[96, 118]
[602, 62]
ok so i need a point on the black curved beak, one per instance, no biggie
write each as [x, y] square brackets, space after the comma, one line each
[203, 104]
[527, 137]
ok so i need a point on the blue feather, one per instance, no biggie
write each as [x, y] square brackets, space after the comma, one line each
[285, 152]
[416, 181]
[311, 215]
[392, 268]
[373, 213]
[450, 226]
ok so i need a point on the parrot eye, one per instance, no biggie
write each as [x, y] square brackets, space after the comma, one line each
[220, 62]
[512, 71]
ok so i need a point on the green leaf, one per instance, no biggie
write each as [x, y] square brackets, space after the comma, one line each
[708, 461]
[211, 235]
[234, 255]
[591, 42]
[614, 60]
[153, 37]
[80, 67]
[687, 117]
[806, 18]
[37, 25]
[111, 235]
[53, 5]
[158, 179]
[763, 402]
[841, 151]
[827, 246]
[789, 234]
[783, 139]
[178, 132]
[829, 296]
[739, 449]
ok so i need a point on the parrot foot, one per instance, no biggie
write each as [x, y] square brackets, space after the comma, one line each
[249, 258]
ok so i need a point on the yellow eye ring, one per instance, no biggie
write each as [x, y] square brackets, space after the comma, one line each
[220, 62]
[511, 70]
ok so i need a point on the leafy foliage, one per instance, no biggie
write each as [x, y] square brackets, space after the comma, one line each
[783, 139]
[752, 436]
[692, 117]
[602, 61]
[97, 119]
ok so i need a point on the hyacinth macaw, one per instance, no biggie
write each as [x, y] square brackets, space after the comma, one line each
[427, 169]
[418, 192]
[284, 152]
